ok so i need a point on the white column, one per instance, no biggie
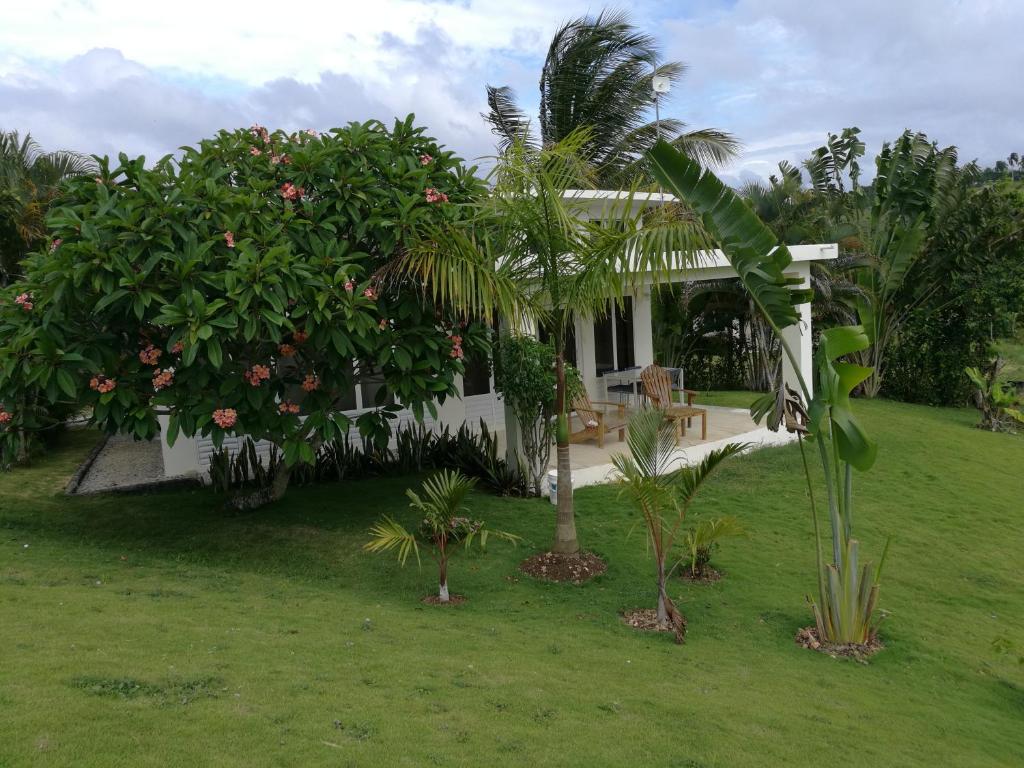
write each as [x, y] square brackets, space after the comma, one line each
[181, 459]
[643, 328]
[586, 360]
[800, 339]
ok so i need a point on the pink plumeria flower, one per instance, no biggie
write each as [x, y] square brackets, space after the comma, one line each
[55, 245]
[255, 151]
[229, 238]
[425, 159]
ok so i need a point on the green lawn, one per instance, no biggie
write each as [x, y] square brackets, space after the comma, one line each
[1012, 351]
[159, 630]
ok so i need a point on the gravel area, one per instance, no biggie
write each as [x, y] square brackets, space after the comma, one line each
[124, 463]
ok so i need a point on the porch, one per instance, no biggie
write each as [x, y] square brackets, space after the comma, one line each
[592, 465]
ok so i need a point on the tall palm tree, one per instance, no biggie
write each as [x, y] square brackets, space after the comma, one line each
[598, 74]
[534, 253]
[29, 180]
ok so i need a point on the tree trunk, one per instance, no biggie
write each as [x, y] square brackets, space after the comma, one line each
[565, 527]
[662, 595]
[442, 591]
[263, 496]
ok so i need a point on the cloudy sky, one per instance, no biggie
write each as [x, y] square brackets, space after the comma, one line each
[105, 76]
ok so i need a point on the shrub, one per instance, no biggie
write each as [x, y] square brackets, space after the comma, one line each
[526, 379]
[997, 401]
[704, 537]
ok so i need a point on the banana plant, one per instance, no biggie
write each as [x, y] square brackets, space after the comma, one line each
[847, 589]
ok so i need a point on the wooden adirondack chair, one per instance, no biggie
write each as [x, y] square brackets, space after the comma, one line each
[658, 388]
[596, 423]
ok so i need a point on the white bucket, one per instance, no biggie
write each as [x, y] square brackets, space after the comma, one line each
[553, 485]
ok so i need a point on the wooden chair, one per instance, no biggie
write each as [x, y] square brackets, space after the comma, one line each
[658, 388]
[595, 423]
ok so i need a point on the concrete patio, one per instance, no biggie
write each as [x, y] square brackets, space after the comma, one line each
[592, 465]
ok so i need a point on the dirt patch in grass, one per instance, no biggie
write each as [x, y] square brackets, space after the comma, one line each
[807, 637]
[166, 692]
[708, 575]
[575, 569]
[452, 600]
[646, 619]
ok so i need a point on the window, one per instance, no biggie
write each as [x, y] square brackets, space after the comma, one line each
[477, 378]
[374, 391]
[544, 335]
[613, 338]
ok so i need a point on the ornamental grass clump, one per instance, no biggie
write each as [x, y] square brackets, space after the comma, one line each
[445, 524]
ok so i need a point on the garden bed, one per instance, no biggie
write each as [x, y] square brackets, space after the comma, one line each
[573, 569]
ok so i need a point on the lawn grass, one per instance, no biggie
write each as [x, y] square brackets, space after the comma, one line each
[1012, 352]
[160, 630]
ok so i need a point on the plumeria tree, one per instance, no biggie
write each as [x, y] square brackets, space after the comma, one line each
[243, 289]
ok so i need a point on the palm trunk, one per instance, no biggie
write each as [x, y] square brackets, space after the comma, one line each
[565, 527]
[442, 591]
[662, 594]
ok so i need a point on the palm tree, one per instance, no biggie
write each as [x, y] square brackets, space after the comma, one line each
[531, 253]
[663, 491]
[598, 74]
[444, 524]
[29, 181]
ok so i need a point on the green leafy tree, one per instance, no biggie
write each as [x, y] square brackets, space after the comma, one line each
[444, 525]
[242, 290]
[597, 74]
[525, 376]
[847, 588]
[29, 180]
[535, 251]
[663, 492]
[887, 228]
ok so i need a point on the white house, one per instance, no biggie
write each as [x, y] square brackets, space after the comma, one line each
[623, 338]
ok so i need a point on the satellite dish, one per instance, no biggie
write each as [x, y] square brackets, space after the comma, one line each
[660, 84]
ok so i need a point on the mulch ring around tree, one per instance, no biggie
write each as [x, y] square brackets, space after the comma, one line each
[575, 569]
[808, 638]
[646, 620]
[708, 575]
[435, 600]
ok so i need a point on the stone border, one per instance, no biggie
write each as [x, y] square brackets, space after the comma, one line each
[170, 483]
[83, 469]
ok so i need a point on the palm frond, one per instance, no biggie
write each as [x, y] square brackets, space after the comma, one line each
[388, 534]
[508, 122]
[690, 479]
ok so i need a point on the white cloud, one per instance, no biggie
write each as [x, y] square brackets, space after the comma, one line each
[142, 77]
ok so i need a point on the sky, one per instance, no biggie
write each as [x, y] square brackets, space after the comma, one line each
[144, 78]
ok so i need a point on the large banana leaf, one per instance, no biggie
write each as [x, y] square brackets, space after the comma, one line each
[836, 381]
[747, 243]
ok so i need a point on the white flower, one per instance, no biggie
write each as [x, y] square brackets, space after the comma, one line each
[591, 423]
